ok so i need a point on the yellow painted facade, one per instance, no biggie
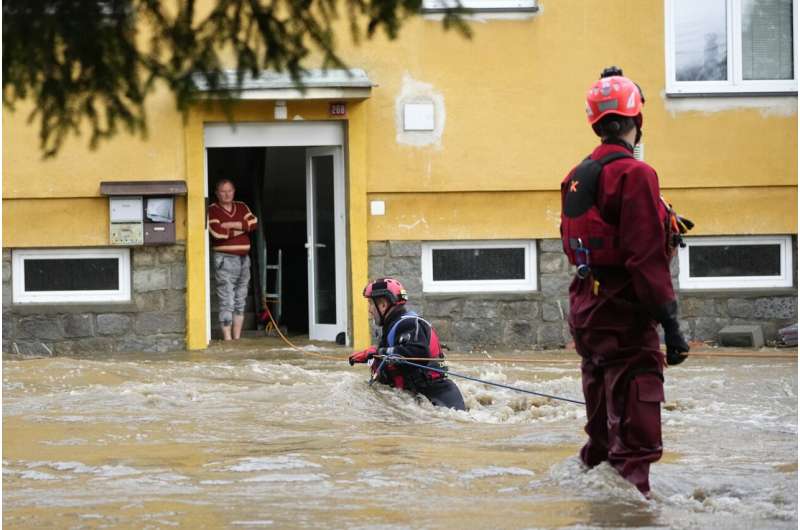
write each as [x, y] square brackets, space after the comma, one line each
[514, 123]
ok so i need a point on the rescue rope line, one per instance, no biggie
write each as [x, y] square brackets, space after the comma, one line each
[402, 360]
[298, 348]
[492, 360]
[456, 359]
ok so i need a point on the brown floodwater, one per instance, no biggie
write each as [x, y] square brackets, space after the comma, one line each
[255, 437]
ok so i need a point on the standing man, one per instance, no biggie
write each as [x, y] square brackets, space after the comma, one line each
[405, 334]
[230, 223]
[616, 230]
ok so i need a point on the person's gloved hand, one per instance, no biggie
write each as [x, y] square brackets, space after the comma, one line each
[676, 344]
[666, 315]
[362, 356]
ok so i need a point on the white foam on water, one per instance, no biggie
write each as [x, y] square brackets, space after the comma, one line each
[601, 481]
[272, 463]
[38, 475]
[66, 442]
[279, 477]
[493, 471]
[266, 522]
[80, 468]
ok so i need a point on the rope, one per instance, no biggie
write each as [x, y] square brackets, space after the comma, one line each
[402, 360]
[298, 348]
[492, 360]
[457, 359]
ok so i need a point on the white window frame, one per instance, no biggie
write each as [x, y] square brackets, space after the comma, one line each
[734, 84]
[529, 283]
[481, 5]
[21, 296]
[785, 279]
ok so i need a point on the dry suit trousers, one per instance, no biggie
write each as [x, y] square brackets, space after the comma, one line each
[623, 388]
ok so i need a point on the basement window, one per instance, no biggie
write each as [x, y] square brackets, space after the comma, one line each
[71, 275]
[735, 262]
[479, 266]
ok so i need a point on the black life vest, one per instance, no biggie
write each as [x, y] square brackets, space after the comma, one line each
[394, 373]
[587, 238]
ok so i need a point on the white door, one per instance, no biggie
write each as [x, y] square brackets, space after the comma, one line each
[325, 243]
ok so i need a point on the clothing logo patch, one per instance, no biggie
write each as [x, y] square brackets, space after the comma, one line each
[573, 185]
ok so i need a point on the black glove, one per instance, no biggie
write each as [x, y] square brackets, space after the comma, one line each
[666, 315]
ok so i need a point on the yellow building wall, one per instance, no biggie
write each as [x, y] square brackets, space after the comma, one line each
[514, 124]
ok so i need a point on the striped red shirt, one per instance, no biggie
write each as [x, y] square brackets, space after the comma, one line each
[231, 240]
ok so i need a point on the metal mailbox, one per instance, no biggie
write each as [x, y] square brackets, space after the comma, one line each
[142, 212]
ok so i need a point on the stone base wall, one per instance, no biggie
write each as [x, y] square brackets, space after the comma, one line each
[154, 321]
[538, 320]
[485, 321]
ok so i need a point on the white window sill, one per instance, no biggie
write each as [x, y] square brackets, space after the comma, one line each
[729, 94]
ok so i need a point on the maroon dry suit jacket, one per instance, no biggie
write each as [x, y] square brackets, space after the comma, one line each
[628, 196]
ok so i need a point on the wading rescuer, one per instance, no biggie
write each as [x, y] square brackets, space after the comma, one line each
[621, 235]
[405, 334]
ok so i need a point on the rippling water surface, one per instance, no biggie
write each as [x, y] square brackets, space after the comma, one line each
[249, 437]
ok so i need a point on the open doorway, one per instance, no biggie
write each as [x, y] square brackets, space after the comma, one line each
[272, 182]
[292, 176]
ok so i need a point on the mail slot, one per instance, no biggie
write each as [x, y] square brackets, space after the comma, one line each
[159, 233]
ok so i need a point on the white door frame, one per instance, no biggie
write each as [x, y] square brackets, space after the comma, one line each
[327, 331]
[309, 134]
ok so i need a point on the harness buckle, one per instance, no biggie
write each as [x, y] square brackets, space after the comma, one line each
[582, 261]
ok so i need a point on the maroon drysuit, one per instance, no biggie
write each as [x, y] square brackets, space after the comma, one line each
[612, 322]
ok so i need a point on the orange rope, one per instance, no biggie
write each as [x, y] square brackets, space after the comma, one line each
[297, 348]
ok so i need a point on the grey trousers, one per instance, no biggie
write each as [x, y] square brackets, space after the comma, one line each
[232, 275]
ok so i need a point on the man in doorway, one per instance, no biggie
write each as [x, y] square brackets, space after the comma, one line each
[230, 223]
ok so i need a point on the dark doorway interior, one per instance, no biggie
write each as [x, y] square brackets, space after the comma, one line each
[271, 181]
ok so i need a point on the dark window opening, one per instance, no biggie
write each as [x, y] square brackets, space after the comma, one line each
[709, 261]
[81, 274]
[469, 264]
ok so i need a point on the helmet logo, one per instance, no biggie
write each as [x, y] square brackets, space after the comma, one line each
[605, 88]
[631, 100]
[610, 104]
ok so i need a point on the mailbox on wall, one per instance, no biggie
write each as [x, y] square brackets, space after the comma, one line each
[142, 213]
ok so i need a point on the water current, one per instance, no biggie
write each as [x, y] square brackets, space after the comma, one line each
[254, 437]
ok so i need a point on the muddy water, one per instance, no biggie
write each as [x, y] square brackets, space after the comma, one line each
[246, 438]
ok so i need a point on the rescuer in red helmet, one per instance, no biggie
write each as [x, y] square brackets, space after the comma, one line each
[615, 229]
[406, 334]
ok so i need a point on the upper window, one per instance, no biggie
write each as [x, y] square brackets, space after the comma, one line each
[470, 266]
[731, 46]
[71, 275]
[735, 262]
[481, 5]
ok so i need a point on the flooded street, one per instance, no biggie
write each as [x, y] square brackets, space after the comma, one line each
[255, 438]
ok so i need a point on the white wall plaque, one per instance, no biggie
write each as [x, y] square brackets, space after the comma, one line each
[418, 117]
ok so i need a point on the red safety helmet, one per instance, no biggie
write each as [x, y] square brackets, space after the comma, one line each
[613, 95]
[388, 288]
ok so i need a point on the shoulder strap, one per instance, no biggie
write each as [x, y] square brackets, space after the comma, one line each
[390, 337]
[613, 156]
